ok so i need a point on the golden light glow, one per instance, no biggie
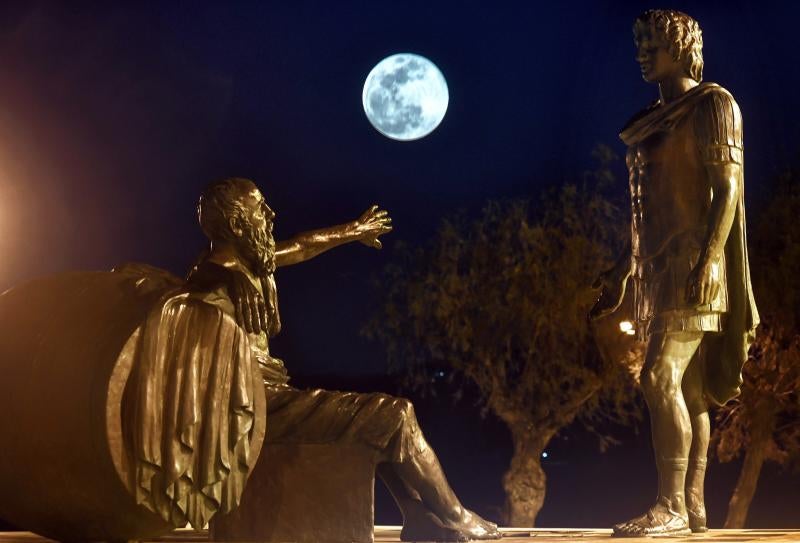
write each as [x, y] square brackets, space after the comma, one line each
[627, 328]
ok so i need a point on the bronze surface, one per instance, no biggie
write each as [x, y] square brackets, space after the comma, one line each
[242, 259]
[687, 261]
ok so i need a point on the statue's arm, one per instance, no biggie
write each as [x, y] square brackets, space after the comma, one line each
[373, 223]
[718, 128]
[725, 178]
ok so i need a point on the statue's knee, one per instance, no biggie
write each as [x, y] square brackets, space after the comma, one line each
[649, 382]
[660, 383]
[403, 412]
[695, 402]
[406, 409]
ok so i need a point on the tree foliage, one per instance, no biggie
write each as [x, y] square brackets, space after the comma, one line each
[763, 423]
[502, 300]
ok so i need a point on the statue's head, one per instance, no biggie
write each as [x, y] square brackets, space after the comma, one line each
[234, 211]
[668, 42]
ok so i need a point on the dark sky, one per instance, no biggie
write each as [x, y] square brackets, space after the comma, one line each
[114, 115]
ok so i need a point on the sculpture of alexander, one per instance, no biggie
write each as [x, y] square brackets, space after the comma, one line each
[687, 261]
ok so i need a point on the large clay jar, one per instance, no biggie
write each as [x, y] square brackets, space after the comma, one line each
[65, 466]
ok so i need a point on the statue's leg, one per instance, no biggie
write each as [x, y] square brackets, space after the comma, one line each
[698, 453]
[668, 356]
[408, 465]
[420, 475]
[419, 522]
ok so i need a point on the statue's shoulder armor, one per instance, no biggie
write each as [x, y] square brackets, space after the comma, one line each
[641, 114]
[717, 126]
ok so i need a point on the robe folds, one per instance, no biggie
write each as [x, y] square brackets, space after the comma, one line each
[189, 407]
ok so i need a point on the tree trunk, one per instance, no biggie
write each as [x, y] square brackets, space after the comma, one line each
[524, 482]
[746, 485]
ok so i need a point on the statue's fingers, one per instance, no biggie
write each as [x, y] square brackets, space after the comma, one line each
[239, 309]
[255, 315]
[381, 213]
[691, 292]
[706, 294]
[262, 315]
[377, 243]
[247, 313]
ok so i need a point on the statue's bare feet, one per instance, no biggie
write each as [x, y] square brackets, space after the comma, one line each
[472, 526]
[420, 524]
[660, 520]
[696, 507]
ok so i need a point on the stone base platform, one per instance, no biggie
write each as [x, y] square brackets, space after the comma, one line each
[391, 534]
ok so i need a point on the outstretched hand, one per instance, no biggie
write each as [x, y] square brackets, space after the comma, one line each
[373, 223]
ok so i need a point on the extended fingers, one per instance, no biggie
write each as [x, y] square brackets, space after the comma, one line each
[243, 312]
[369, 213]
[262, 314]
[707, 288]
[382, 217]
[239, 303]
[248, 314]
[715, 292]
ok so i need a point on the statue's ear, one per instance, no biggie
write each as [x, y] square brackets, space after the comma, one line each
[235, 224]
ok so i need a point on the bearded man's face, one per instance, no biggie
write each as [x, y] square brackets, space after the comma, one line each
[256, 243]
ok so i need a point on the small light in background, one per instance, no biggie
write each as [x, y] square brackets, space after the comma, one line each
[627, 328]
[545, 455]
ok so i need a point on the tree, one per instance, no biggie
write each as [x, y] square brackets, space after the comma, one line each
[503, 300]
[764, 421]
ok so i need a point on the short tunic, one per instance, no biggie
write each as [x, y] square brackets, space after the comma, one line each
[671, 196]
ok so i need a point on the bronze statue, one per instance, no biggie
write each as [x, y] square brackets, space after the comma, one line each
[241, 259]
[130, 404]
[687, 260]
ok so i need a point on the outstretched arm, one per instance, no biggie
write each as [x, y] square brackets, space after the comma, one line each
[373, 223]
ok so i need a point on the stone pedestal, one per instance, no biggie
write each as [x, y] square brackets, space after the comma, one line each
[305, 494]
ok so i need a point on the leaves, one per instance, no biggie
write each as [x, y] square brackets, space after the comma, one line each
[769, 406]
[502, 300]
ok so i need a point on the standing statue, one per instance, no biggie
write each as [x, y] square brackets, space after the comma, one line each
[687, 260]
[241, 259]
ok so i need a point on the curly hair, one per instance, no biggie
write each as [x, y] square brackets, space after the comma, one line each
[679, 32]
[220, 202]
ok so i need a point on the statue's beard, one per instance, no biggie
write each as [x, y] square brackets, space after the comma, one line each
[259, 250]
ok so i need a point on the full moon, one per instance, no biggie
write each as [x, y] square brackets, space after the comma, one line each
[405, 97]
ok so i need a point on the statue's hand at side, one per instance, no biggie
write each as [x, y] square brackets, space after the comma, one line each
[702, 286]
[373, 223]
[611, 294]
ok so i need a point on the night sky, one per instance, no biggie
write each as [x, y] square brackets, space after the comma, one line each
[114, 115]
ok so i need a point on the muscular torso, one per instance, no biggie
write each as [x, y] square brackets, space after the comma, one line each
[670, 190]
